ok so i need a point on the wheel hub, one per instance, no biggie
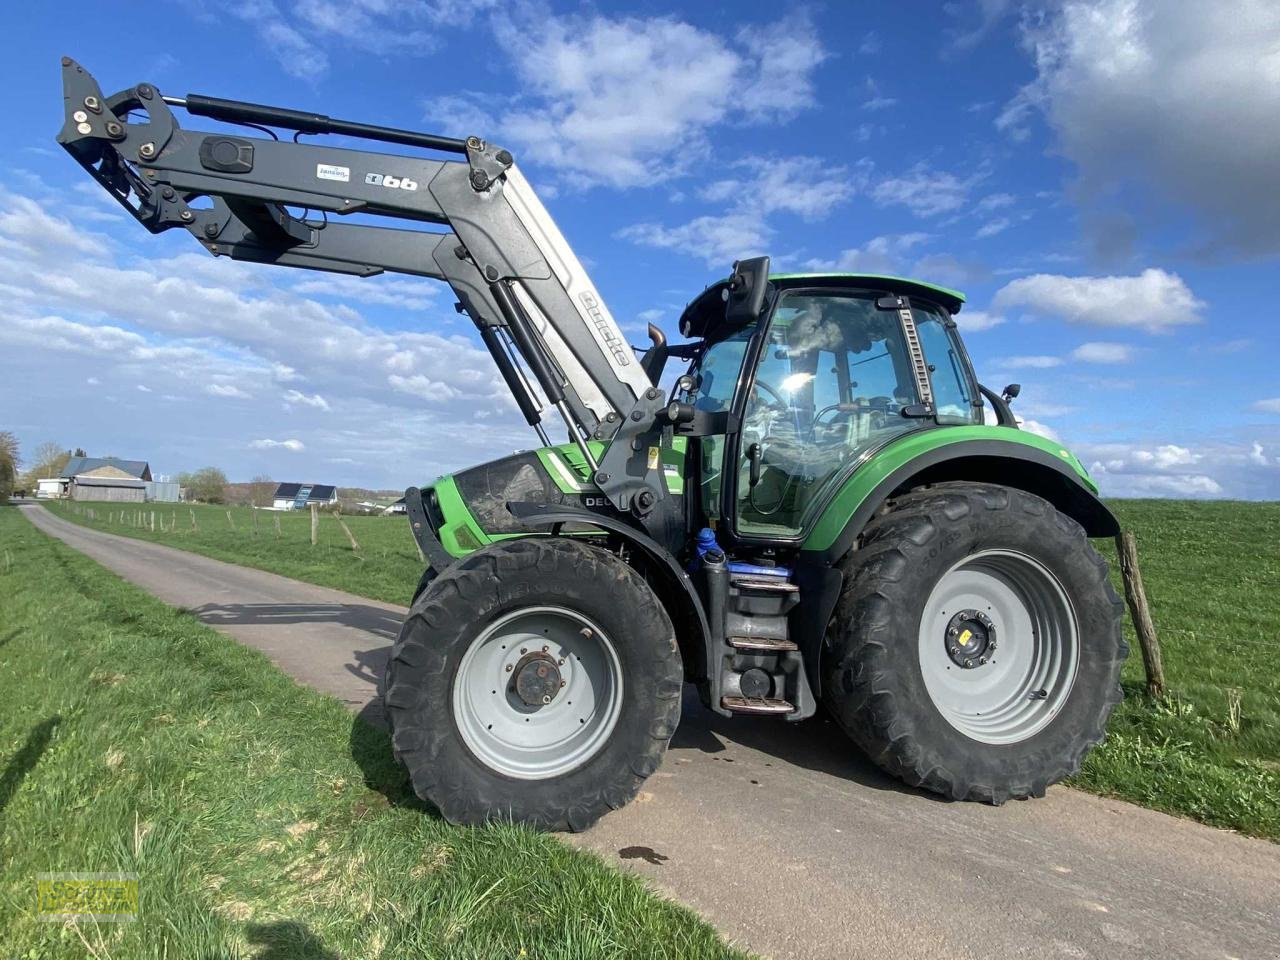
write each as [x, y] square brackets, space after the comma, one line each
[970, 639]
[536, 679]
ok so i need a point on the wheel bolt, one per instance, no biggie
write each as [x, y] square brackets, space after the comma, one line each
[981, 661]
[508, 668]
[544, 648]
[968, 664]
[955, 651]
[952, 631]
[524, 650]
[564, 682]
[547, 698]
[560, 661]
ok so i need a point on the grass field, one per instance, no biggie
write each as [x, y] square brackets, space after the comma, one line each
[135, 739]
[1211, 750]
[385, 568]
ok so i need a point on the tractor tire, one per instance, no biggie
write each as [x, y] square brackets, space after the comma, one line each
[482, 682]
[976, 647]
[428, 577]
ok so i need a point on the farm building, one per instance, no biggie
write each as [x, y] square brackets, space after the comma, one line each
[51, 488]
[299, 496]
[109, 489]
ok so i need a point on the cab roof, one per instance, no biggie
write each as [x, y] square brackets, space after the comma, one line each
[707, 308]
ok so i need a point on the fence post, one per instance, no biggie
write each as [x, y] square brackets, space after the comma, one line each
[276, 517]
[1136, 596]
[355, 544]
[315, 525]
[230, 522]
[194, 526]
[173, 522]
[153, 521]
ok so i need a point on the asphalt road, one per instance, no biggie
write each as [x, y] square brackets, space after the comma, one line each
[789, 842]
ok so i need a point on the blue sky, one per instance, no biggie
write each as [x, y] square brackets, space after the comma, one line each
[1099, 177]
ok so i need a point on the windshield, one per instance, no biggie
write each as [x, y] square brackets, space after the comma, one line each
[830, 385]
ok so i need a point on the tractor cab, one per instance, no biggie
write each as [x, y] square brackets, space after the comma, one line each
[833, 368]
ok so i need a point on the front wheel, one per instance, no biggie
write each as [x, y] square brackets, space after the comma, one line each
[976, 648]
[537, 680]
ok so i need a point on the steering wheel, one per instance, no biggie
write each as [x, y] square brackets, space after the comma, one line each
[778, 402]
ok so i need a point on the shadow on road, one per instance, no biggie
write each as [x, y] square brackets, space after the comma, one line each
[815, 744]
[357, 616]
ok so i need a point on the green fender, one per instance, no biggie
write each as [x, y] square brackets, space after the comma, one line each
[987, 453]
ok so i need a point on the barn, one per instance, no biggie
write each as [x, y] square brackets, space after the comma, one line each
[108, 479]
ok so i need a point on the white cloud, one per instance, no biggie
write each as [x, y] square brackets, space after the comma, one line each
[1164, 100]
[1040, 429]
[1153, 300]
[1257, 455]
[801, 186]
[293, 446]
[1099, 352]
[975, 321]
[229, 390]
[408, 293]
[884, 254]
[298, 398]
[993, 227]
[1033, 361]
[579, 111]
[1270, 405]
[143, 388]
[924, 191]
[875, 99]
[995, 201]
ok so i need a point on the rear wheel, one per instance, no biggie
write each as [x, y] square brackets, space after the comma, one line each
[976, 648]
[536, 680]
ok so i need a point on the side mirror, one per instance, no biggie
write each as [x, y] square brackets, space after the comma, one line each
[1011, 391]
[745, 297]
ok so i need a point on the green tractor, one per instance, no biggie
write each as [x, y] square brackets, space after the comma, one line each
[815, 512]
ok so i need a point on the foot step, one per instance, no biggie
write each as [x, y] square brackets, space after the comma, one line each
[757, 705]
[762, 644]
[764, 584]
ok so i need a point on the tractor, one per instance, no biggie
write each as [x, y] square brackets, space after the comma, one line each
[824, 509]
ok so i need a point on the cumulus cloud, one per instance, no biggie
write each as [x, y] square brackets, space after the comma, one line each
[761, 188]
[1099, 352]
[1174, 102]
[293, 446]
[1031, 361]
[293, 398]
[1212, 469]
[1270, 405]
[226, 390]
[883, 254]
[1154, 300]
[924, 191]
[975, 321]
[579, 104]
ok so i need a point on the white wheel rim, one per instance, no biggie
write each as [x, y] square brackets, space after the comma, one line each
[541, 740]
[1021, 684]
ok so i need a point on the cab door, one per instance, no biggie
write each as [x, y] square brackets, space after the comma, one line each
[832, 380]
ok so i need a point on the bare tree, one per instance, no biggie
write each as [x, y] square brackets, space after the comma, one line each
[262, 490]
[49, 460]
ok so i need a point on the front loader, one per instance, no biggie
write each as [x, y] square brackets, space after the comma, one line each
[815, 514]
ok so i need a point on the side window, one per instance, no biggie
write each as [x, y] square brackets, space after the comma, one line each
[952, 391]
[716, 379]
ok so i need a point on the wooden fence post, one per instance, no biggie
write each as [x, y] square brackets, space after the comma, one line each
[1136, 596]
[355, 544]
[231, 523]
[194, 526]
[153, 521]
[276, 517]
[173, 522]
[315, 525]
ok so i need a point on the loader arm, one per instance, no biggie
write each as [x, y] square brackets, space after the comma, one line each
[512, 270]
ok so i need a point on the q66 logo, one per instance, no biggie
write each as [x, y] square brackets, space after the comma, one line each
[387, 180]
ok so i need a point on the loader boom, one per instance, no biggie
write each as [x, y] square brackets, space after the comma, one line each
[512, 270]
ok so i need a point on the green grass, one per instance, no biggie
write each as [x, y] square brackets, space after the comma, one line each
[385, 568]
[261, 819]
[1211, 750]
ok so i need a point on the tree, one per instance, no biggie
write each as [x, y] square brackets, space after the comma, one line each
[49, 461]
[8, 464]
[261, 490]
[79, 452]
[208, 484]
